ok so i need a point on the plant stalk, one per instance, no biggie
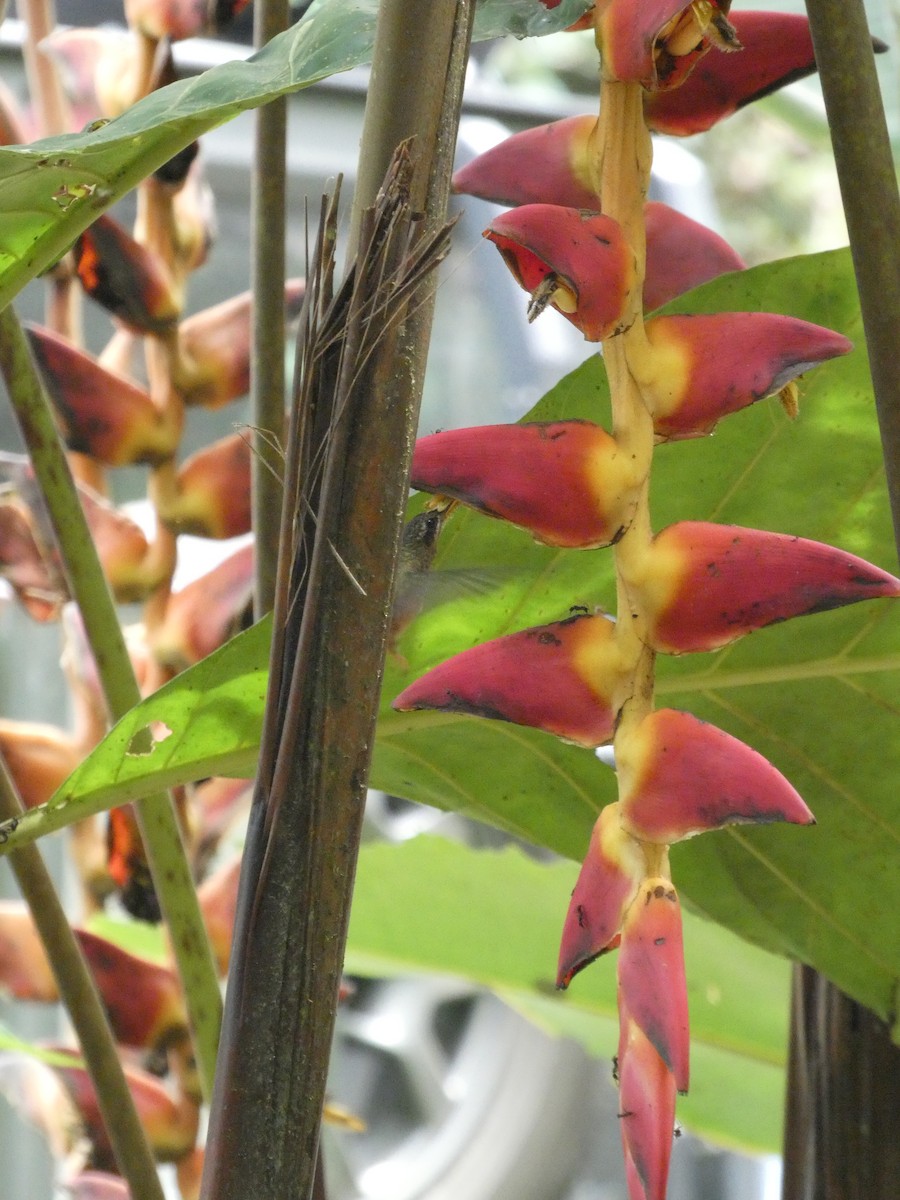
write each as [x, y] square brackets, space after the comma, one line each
[868, 181]
[85, 1009]
[88, 587]
[621, 157]
[268, 204]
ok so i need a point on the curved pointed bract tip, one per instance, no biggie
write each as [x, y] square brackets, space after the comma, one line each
[544, 165]
[651, 974]
[680, 776]
[777, 50]
[102, 413]
[142, 998]
[566, 482]
[681, 254]
[646, 1110]
[573, 663]
[706, 585]
[695, 369]
[126, 278]
[170, 1124]
[577, 262]
[607, 884]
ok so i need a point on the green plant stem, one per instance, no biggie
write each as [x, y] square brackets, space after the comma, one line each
[85, 1008]
[156, 816]
[868, 181]
[418, 71]
[268, 203]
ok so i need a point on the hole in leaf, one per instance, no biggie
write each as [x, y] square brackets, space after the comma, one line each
[145, 740]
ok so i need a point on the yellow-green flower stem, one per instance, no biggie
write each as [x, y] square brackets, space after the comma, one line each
[621, 156]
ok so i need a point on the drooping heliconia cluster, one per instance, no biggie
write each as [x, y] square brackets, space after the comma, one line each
[129, 407]
[584, 241]
[117, 411]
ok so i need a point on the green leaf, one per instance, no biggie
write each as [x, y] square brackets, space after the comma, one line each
[494, 917]
[52, 190]
[204, 722]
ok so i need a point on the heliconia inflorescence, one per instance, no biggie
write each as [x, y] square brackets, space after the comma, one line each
[584, 241]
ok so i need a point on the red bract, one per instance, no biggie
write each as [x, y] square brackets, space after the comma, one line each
[651, 974]
[578, 262]
[566, 482]
[679, 776]
[699, 368]
[217, 896]
[171, 1125]
[777, 50]
[212, 366]
[706, 585]
[24, 970]
[584, 22]
[607, 884]
[142, 998]
[102, 413]
[657, 43]
[130, 567]
[97, 1185]
[177, 19]
[681, 254]
[38, 757]
[210, 495]
[123, 276]
[646, 1110]
[205, 613]
[544, 165]
[556, 677]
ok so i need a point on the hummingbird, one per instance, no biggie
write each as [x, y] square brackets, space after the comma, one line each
[418, 547]
[417, 586]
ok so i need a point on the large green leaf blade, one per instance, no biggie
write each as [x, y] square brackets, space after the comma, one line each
[51, 191]
[204, 722]
[494, 917]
